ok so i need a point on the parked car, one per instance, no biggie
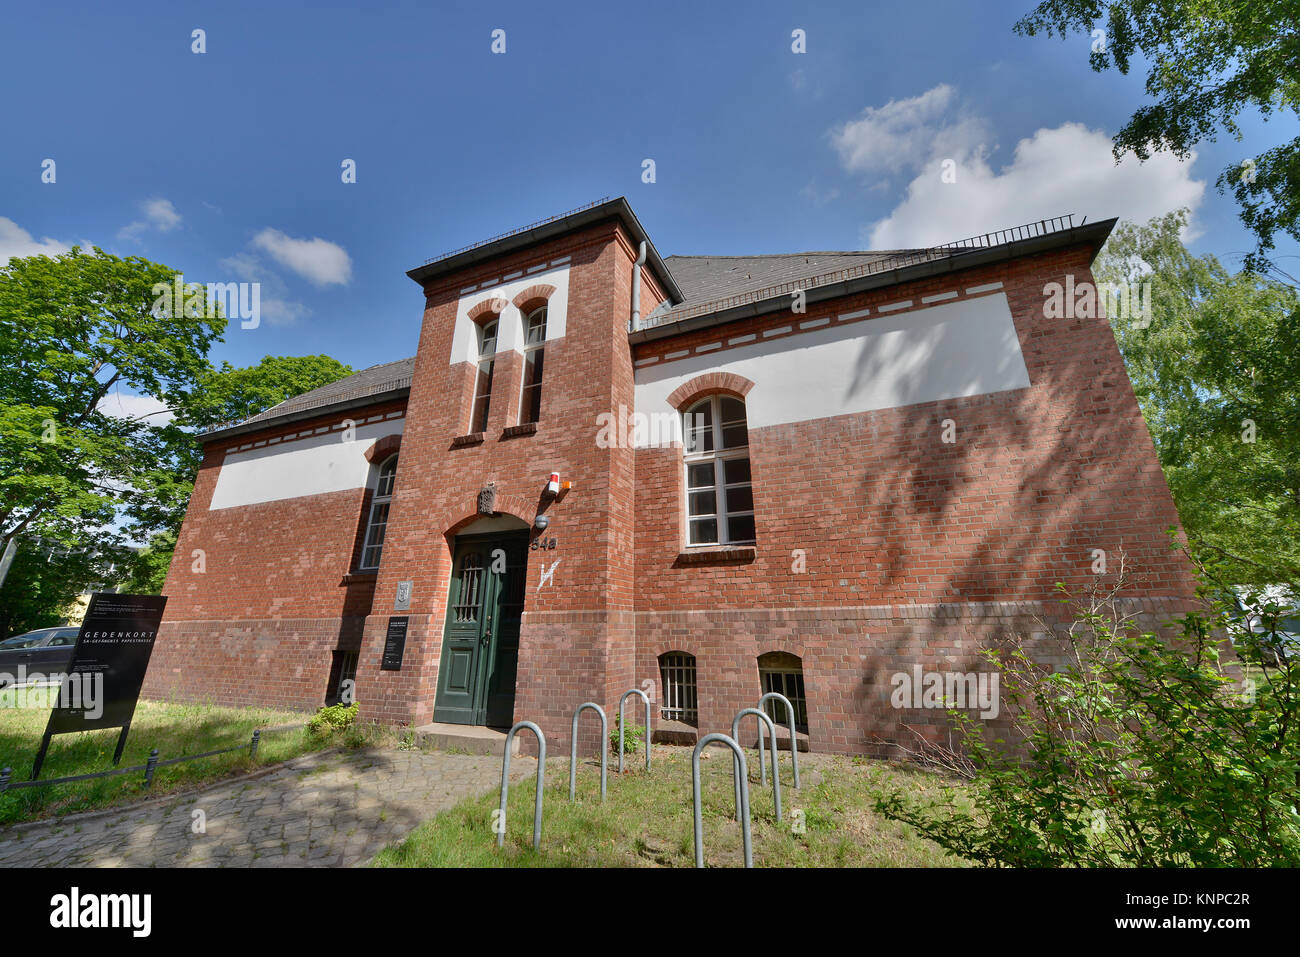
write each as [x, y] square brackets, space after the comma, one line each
[43, 650]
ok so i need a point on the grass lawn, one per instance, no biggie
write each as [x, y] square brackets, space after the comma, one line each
[174, 729]
[647, 819]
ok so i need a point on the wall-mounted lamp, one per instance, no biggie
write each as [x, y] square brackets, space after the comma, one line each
[541, 521]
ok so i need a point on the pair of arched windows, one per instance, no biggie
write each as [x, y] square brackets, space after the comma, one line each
[719, 487]
[530, 402]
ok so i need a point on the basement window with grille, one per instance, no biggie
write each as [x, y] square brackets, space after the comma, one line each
[677, 680]
[782, 672]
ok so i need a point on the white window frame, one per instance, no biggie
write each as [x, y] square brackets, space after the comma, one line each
[529, 347]
[718, 457]
[380, 498]
[484, 358]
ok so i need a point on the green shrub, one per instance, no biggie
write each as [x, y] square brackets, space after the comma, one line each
[633, 734]
[334, 718]
[1142, 751]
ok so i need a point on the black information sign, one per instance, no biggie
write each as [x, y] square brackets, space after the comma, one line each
[103, 680]
[394, 644]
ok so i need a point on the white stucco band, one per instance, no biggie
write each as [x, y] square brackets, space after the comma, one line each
[960, 349]
[510, 330]
[310, 466]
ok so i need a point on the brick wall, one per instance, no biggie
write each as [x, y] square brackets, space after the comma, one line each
[912, 547]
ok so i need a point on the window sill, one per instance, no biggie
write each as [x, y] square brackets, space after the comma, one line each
[513, 431]
[367, 575]
[473, 438]
[727, 555]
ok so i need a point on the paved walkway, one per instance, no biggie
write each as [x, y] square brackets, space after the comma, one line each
[331, 809]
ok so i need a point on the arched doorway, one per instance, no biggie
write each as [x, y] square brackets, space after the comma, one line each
[480, 644]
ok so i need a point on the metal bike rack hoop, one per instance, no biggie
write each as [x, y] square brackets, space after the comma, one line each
[573, 747]
[541, 781]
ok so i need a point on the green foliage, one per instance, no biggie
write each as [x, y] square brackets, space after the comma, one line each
[1207, 61]
[633, 735]
[146, 570]
[74, 329]
[231, 394]
[334, 718]
[45, 580]
[1217, 374]
[1141, 751]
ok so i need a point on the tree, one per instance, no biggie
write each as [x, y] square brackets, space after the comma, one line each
[72, 329]
[1139, 751]
[45, 579]
[1217, 374]
[146, 570]
[1209, 61]
[229, 394]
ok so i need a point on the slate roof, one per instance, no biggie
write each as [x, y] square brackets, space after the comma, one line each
[709, 279]
[385, 377]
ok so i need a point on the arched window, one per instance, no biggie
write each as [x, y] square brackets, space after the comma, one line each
[782, 672]
[719, 494]
[378, 523]
[677, 680]
[530, 406]
[487, 348]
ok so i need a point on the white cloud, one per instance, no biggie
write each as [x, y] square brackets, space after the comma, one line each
[903, 134]
[317, 260]
[124, 405]
[16, 241]
[159, 214]
[1069, 169]
[277, 309]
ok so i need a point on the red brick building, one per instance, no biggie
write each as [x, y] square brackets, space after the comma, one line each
[805, 472]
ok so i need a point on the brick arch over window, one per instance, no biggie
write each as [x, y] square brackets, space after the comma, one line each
[488, 307]
[708, 384]
[534, 296]
[383, 448]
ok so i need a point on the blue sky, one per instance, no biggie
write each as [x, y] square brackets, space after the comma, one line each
[226, 164]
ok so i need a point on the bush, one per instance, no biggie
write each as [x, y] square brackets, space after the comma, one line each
[633, 734]
[1141, 752]
[334, 718]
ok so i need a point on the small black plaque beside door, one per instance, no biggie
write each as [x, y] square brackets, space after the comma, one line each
[394, 644]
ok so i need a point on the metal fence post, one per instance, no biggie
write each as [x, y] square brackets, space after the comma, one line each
[573, 748]
[150, 767]
[505, 783]
[794, 741]
[646, 699]
[252, 745]
[5, 774]
[740, 773]
[776, 770]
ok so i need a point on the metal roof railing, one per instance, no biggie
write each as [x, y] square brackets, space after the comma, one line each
[516, 232]
[1000, 237]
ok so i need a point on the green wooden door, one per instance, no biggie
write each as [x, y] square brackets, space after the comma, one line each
[480, 645]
